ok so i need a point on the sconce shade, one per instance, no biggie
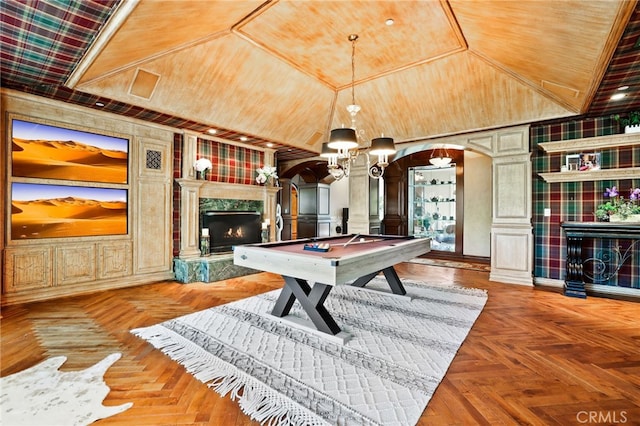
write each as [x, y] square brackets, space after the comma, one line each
[343, 138]
[382, 146]
[328, 152]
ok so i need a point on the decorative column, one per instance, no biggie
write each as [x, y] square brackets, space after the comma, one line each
[359, 197]
[511, 229]
[189, 218]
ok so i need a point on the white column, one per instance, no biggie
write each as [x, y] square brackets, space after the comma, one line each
[189, 211]
[359, 197]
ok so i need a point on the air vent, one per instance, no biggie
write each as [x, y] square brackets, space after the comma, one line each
[560, 89]
[314, 139]
[144, 83]
[154, 160]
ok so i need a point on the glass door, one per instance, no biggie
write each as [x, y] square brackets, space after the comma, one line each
[432, 205]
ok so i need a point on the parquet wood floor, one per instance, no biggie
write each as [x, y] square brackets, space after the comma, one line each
[534, 357]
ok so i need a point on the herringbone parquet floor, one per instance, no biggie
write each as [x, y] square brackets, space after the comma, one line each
[533, 357]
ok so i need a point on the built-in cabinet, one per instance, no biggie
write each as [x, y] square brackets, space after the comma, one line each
[44, 268]
[422, 200]
[432, 205]
[314, 215]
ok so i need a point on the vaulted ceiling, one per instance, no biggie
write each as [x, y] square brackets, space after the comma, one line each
[280, 71]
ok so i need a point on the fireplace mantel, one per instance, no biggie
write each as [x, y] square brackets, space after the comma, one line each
[191, 190]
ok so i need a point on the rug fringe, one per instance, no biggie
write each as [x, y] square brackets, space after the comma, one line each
[254, 398]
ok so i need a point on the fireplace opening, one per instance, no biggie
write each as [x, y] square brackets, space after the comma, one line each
[232, 228]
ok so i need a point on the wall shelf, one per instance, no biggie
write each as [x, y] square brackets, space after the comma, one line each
[598, 142]
[591, 175]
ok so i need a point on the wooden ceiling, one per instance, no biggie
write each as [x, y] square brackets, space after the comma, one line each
[280, 71]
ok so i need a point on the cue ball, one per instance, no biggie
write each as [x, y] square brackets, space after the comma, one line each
[362, 240]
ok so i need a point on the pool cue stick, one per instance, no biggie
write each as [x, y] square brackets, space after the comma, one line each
[358, 242]
[348, 242]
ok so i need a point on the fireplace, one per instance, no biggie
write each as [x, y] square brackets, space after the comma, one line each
[232, 228]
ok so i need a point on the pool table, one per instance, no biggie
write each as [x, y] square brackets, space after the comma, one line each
[312, 266]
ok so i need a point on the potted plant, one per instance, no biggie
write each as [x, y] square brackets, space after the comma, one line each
[619, 209]
[631, 123]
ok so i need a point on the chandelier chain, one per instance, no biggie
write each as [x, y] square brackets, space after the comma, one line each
[353, 38]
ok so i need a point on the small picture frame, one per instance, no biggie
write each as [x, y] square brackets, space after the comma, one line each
[572, 162]
[589, 161]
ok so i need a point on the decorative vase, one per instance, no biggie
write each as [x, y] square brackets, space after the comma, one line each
[632, 129]
[631, 218]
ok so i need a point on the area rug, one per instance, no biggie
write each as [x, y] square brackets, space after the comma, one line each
[42, 395]
[474, 266]
[399, 352]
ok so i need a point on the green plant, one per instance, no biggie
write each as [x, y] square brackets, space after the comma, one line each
[632, 119]
[619, 205]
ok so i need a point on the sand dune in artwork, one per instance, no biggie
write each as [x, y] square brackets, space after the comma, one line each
[67, 160]
[64, 217]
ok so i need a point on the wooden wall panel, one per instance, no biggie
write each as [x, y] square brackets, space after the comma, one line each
[27, 269]
[75, 263]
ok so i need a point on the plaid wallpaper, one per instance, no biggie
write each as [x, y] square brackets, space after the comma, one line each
[576, 201]
[230, 164]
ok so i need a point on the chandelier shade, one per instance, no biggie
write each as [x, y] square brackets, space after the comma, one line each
[382, 146]
[343, 138]
[328, 152]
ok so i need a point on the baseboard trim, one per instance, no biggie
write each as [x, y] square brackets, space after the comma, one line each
[593, 289]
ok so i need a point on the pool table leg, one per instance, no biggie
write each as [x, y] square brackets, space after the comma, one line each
[311, 299]
[392, 278]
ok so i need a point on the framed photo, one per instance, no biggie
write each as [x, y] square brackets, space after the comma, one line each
[573, 162]
[49, 152]
[589, 161]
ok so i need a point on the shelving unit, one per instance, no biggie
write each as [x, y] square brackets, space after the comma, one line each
[590, 144]
[597, 142]
[432, 205]
[591, 175]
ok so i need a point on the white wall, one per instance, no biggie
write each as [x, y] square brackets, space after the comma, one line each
[338, 200]
[477, 205]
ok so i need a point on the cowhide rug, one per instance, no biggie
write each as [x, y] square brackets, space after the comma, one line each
[42, 395]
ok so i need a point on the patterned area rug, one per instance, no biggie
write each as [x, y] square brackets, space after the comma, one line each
[42, 395]
[385, 375]
[474, 266]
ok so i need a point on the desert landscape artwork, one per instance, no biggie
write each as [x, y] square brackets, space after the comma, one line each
[50, 152]
[51, 211]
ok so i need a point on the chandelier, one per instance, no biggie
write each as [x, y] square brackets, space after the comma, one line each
[440, 157]
[343, 147]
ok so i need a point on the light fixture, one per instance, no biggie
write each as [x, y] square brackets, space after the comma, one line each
[440, 157]
[343, 146]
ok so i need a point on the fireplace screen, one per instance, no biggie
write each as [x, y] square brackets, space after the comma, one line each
[232, 228]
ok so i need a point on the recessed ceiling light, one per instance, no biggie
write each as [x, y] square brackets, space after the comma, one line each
[269, 145]
[244, 138]
[623, 87]
[212, 131]
[99, 104]
[389, 22]
[618, 96]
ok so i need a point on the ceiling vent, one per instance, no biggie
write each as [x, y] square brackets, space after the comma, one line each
[144, 84]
